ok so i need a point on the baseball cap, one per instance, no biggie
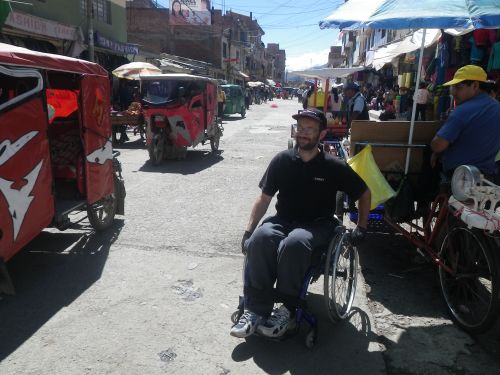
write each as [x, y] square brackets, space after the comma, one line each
[468, 73]
[352, 86]
[314, 114]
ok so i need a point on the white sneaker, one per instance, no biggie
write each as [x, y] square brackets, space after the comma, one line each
[246, 325]
[277, 324]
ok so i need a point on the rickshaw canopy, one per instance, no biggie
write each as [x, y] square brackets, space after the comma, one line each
[12, 55]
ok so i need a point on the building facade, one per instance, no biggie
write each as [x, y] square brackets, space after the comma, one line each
[231, 43]
[61, 26]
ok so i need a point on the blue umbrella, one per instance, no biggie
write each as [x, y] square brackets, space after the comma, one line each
[405, 14]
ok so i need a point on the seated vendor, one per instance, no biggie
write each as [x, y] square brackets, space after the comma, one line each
[471, 134]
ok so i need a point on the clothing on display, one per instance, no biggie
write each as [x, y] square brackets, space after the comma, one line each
[494, 61]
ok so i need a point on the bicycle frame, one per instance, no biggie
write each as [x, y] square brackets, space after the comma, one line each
[423, 236]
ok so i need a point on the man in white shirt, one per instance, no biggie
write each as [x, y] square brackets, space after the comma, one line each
[421, 96]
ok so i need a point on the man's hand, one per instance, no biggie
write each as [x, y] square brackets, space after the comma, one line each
[244, 240]
[357, 236]
[434, 159]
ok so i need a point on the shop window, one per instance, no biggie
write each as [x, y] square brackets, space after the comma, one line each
[224, 50]
[101, 9]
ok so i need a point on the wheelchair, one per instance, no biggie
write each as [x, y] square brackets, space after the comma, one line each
[338, 263]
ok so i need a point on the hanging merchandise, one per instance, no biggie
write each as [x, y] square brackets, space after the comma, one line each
[476, 53]
[494, 61]
[481, 37]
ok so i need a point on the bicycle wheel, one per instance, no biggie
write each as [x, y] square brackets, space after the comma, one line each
[340, 277]
[470, 291]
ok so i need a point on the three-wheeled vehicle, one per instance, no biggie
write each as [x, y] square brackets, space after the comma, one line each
[180, 111]
[235, 100]
[55, 148]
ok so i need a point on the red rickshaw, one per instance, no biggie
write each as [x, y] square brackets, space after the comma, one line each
[56, 155]
[180, 111]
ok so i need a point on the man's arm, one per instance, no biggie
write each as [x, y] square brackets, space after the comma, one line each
[259, 209]
[438, 145]
[364, 203]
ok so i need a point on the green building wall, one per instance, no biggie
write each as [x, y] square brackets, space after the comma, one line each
[68, 12]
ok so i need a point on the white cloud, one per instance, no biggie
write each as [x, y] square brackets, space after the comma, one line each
[307, 60]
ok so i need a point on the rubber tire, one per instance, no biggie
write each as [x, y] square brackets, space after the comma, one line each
[490, 252]
[156, 149]
[99, 224]
[215, 141]
[334, 251]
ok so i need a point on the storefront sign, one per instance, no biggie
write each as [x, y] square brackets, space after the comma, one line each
[190, 12]
[124, 48]
[41, 26]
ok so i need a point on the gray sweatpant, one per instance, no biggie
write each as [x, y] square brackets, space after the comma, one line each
[279, 251]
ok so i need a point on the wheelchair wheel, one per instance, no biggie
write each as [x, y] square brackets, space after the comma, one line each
[340, 277]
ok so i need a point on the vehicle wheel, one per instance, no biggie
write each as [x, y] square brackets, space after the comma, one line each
[471, 290]
[214, 141]
[311, 337]
[340, 277]
[156, 149]
[102, 213]
[290, 143]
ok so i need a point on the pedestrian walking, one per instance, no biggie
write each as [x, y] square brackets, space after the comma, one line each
[422, 97]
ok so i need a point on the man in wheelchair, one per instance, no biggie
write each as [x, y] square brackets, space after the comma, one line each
[279, 250]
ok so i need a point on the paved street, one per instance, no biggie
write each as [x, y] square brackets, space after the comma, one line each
[154, 294]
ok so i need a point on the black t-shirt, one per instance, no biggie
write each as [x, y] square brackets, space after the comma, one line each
[307, 190]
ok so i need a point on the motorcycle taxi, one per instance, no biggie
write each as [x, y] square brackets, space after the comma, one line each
[180, 111]
[56, 155]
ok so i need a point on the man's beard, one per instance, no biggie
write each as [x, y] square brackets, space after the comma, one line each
[309, 146]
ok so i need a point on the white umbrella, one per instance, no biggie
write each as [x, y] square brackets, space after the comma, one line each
[135, 70]
[404, 14]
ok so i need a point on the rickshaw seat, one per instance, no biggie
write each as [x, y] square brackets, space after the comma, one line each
[393, 132]
[66, 152]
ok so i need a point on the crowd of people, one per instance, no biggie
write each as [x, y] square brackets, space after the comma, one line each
[390, 101]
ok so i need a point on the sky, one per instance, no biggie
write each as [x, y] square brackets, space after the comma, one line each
[291, 23]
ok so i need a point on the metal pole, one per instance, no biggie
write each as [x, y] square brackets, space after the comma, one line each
[90, 26]
[414, 109]
[325, 97]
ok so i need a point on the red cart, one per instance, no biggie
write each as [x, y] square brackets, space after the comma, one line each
[56, 155]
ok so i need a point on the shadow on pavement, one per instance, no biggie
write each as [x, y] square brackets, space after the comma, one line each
[397, 279]
[131, 145]
[439, 349]
[195, 161]
[49, 274]
[397, 282]
[232, 118]
[341, 348]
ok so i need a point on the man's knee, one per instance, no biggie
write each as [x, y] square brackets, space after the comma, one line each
[297, 240]
[263, 238]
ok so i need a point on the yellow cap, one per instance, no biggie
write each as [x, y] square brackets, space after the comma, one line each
[468, 73]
